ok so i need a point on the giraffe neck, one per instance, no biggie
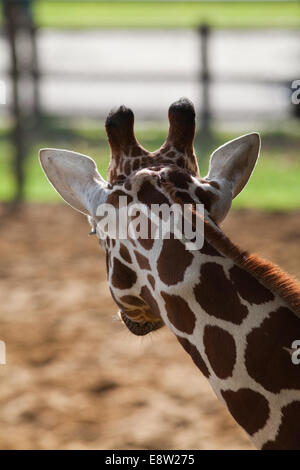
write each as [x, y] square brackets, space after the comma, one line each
[241, 341]
[235, 314]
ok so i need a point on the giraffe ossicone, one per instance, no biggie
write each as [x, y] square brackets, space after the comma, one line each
[235, 314]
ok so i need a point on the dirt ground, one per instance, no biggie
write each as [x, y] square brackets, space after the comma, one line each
[75, 378]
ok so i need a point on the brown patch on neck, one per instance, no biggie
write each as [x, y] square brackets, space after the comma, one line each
[125, 253]
[240, 402]
[288, 436]
[220, 349]
[142, 261]
[226, 304]
[179, 313]
[151, 280]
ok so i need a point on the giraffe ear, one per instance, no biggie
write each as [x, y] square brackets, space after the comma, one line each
[231, 165]
[75, 177]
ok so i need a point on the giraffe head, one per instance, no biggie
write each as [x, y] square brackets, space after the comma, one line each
[230, 165]
[162, 177]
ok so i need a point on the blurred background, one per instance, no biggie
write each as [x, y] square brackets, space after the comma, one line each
[74, 377]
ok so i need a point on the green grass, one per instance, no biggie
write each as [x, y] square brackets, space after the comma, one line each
[85, 14]
[274, 185]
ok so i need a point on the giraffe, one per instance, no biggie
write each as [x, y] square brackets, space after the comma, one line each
[234, 313]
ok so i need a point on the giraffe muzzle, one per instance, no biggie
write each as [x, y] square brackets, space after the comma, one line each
[138, 328]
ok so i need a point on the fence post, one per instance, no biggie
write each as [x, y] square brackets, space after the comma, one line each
[35, 73]
[205, 123]
[17, 132]
[18, 16]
